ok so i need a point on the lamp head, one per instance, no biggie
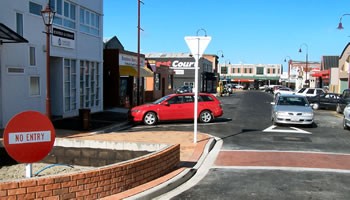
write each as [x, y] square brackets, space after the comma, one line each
[300, 50]
[285, 60]
[340, 26]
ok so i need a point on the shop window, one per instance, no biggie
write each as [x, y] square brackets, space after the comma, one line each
[170, 82]
[34, 83]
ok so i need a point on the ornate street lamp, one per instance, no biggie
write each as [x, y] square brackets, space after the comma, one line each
[340, 25]
[306, 70]
[48, 16]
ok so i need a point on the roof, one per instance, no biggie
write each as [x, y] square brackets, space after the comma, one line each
[330, 62]
[167, 55]
[7, 35]
[113, 43]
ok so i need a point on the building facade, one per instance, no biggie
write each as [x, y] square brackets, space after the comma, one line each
[344, 69]
[75, 59]
[184, 67]
[250, 75]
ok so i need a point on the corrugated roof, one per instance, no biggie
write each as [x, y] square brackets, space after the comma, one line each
[330, 62]
[167, 55]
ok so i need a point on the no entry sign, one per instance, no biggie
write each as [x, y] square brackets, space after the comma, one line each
[29, 137]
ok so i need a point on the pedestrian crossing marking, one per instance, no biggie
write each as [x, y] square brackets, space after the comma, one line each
[289, 130]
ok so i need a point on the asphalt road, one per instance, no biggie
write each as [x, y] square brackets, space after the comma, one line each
[261, 161]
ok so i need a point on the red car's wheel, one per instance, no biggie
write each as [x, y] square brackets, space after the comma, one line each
[150, 118]
[205, 117]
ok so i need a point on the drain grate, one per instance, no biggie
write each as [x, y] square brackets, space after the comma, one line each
[291, 139]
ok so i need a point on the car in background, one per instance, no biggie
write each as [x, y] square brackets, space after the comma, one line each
[238, 86]
[344, 100]
[346, 117]
[174, 107]
[324, 101]
[310, 92]
[283, 90]
[184, 89]
[292, 109]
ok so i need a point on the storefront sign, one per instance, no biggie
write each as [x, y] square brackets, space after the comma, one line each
[129, 60]
[176, 64]
[62, 38]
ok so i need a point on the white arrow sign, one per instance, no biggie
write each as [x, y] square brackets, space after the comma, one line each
[197, 44]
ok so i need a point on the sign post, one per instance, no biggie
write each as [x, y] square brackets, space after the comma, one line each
[29, 137]
[197, 45]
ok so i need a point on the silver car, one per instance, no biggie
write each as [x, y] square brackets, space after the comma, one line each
[346, 117]
[292, 109]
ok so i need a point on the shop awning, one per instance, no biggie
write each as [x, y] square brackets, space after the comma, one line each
[9, 36]
[132, 71]
[244, 80]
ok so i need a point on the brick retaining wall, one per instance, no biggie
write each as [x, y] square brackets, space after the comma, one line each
[96, 183]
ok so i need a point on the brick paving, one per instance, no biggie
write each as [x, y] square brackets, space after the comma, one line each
[284, 159]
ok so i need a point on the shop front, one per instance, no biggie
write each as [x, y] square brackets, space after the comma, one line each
[184, 67]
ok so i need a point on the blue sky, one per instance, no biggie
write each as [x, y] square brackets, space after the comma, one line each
[247, 31]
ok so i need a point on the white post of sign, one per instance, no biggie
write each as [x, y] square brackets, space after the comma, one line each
[28, 170]
[197, 45]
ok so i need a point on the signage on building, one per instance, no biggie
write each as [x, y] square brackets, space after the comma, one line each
[63, 38]
[29, 137]
[129, 60]
[174, 64]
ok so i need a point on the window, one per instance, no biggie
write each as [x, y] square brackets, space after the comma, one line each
[19, 24]
[157, 81]
[239, 70]
[170, 81]
[89, 22]
[274, 71]
[32, 61]
[89, 84]
[245, 70]
[35, 8]
[34, 89]
[223, 70]
[260, 70]
[250, 70]
[65, 13]
[268, 70]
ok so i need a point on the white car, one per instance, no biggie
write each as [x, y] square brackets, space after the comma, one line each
[310, 92]
[283, 90]
[346, 117]
[239, 86]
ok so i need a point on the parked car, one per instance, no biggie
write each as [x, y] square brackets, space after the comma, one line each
[184, 89]
[344, 100]
[178, 107]
[239, 86]
[292, 109]
[325, 101]
[283, 90]
[309, 92]
[346, 117]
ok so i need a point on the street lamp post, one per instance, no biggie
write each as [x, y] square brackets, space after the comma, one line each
[289, 63]
[306, 63]
[138, 50]
[48, 16]
[340, 27]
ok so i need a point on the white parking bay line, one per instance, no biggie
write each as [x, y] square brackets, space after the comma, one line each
[290, 130]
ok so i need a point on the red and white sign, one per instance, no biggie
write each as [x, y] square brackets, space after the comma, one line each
[29, 137]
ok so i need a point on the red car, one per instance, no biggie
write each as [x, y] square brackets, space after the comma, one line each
[178, 107]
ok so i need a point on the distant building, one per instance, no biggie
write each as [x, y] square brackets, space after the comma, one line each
[250, 75]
